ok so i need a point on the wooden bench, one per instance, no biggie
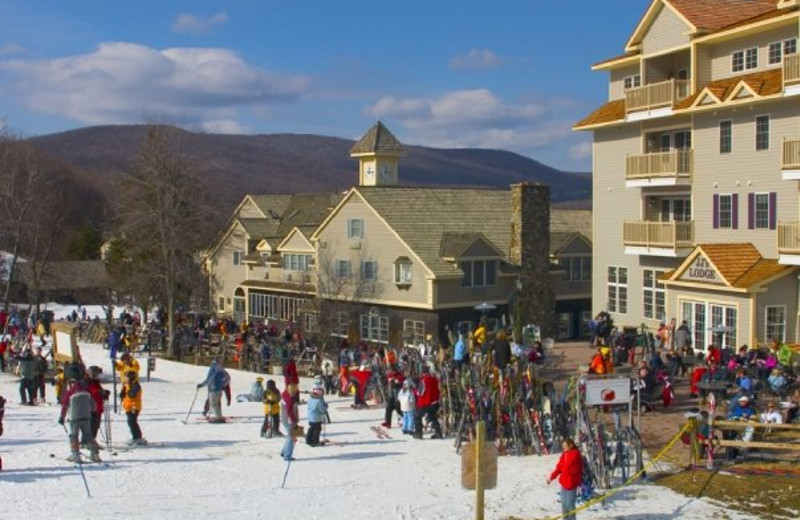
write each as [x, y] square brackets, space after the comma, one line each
[771, 435]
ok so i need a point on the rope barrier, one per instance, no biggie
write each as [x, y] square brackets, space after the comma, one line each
[633, 477]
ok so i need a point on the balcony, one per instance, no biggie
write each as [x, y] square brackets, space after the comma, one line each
[647, 237]
[673, 168]
[656, 95]
[790, 159]
[791, 69]
[789, 243]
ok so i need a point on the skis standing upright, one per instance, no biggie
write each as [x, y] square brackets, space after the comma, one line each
[712, 408]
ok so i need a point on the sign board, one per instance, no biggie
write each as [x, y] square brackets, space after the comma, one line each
[608, 391]
[65, 342]
[488, 461]
[701, 270]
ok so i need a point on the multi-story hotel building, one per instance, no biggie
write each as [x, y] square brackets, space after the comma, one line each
[696, 171]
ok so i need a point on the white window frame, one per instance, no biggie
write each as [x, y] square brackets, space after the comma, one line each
[617, 290]
[355, 228]
[238, 257]
[654, 295]
[776, 51]
[375, 328]
[761, 216]
[763, 145]
[340, 323]
[311, 322]
[725, 215]
[416, 329]
[632, 81]
[744, 57]
[769, 335]
[369, 270]
[296, 262]
[403, 273]
[726, 139]
[344, 269]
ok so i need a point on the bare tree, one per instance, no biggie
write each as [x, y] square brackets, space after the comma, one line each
[164, 210]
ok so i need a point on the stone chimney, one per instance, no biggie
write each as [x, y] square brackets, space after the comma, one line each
[530, 251]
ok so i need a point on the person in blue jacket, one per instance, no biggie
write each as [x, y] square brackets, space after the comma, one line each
[317, 409]
[460, 355]
[216, 380]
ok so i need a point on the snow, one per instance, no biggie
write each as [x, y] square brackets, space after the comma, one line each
[227, 471]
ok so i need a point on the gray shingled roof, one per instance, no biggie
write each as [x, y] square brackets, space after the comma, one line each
[422, 216]
[285, 212]
[571, 220]
[260, 227]
[453, 244]
[561, 239]
[378, 140]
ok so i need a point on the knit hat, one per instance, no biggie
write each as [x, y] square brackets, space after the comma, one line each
[744, 399]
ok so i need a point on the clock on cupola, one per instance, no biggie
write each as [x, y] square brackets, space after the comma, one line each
[378, 153]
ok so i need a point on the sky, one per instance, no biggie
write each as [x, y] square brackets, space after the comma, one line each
[509, 74]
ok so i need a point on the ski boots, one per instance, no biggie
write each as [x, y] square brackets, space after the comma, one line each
[75, 457]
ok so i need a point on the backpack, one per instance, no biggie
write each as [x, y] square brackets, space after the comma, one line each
[81, 405]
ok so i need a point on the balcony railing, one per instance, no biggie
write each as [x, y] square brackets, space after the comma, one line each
[656, 95]
[791, 154]
[672, 164]
[791, 69]
[663, 235]
[789, 238]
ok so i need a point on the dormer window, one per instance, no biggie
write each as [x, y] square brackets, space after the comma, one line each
[403, 271]
[479, 273]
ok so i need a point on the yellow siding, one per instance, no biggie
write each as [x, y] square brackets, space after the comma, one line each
[782, 291]
[616, 84]
[298, 243]
[249, 210]
[225, 276]
[667, 32]
[721, 53]
[703, 71]
[450, 291]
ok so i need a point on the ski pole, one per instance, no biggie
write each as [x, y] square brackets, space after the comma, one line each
[192, 406]
[285, 473]
[80, 468]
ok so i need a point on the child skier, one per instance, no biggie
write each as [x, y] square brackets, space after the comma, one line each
[272, 411]
[408, 404]
[132, 404]
[317, 409]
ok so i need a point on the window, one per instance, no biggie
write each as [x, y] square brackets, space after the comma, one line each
[369, 270]
[343, 269]
[414, 331]
[292, 262]
[633, 81]
[310, 322]
[654, 295]
[355, 228]
[375, 328]
[618, 289]
[761, 211]
[775, 323]
[221, 303]
[726, 211]
[744, 60]
[762, 133]
[778, 50]
[576, 268]
[402, 271]
[238, 257]
[479, 273]
[339, 324]
[725, 136]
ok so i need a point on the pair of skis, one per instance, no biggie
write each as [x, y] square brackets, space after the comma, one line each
[381, 433]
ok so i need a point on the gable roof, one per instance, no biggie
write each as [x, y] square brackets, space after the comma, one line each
[713, 15]
[454, 244]
[739, 264]
[765, 83]
[560, 240]
[379, 141]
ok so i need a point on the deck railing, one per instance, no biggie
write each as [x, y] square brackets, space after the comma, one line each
[656, 95]
[675, 163]
[791, 154]
[789, 237]
[667, 235]
[791, 68]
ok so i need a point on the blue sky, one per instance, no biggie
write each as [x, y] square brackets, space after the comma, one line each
[506, 74]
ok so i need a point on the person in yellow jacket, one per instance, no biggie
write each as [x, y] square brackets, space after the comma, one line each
[601, 362]
[479, 337]
[132, 404]
[272, 411]
[58, 383]
[127, 363]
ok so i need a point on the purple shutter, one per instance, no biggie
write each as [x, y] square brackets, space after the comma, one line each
[735, 211]
[751, 211]
[773, 210]
[716, 211]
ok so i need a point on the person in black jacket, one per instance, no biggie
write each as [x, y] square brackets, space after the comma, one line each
[502, 351]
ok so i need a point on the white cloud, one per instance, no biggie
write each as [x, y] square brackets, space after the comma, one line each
[125, 82]
[224, 126]
[580, 151]
[476, 59]
[473, 118]
[192, 24]
[10, 49]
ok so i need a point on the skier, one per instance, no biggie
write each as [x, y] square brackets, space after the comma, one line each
[407, 404]
[290, 372]
[40, 374]
[78, 403]
[256, 394]
[99, 395]
[317, 408]
[427, 396]
[289, 416]
[328, 372]
[58, 383]
[216, 380]
[569, 471]
[27, 372]
[127, 363]
[132, 404]
[394, 382]
[272, 411]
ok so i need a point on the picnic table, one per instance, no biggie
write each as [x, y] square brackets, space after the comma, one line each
[718, 387]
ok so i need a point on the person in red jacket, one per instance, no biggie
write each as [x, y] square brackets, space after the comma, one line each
[99, 395]
[569, 471]
[290, 372]
[427, 392]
